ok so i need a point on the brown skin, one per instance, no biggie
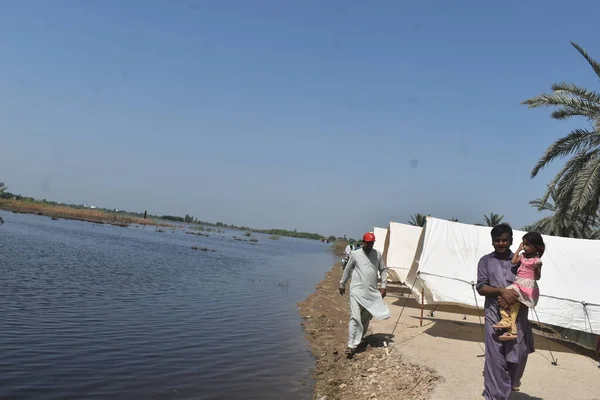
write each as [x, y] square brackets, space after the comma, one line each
[501, 245]
[367, 247]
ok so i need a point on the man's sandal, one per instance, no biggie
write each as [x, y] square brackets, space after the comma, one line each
[349, 352]
[501, 325]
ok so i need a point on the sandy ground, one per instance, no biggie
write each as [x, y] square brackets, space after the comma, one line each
[440, 360]
[453, 346]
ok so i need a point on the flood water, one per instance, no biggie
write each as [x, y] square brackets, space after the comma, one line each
[102, 312]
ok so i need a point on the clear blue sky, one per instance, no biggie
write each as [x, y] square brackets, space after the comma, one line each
[326, 116]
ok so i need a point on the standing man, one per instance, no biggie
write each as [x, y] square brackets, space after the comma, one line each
[349, 248]
[504, 361]
[366, 301]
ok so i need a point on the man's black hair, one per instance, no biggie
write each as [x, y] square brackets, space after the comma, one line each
[501, 229]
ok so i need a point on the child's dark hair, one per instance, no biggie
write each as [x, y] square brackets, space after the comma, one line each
[501, 229]
[536, 240]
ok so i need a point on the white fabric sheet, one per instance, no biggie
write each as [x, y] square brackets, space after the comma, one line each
[400, 248]
[380, 236]
[447, 265]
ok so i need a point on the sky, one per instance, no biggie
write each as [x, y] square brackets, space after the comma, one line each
[321, 116]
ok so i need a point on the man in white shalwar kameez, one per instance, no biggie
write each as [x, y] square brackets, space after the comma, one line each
[366, 301]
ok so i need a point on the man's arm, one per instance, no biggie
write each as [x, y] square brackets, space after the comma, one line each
[346, 275]
[484, 288]
[384, 273]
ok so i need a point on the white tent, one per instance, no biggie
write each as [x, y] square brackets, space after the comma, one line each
[446, 269]
[400, 249]
[380, 236]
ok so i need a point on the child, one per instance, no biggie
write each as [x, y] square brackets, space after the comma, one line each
[525, 284]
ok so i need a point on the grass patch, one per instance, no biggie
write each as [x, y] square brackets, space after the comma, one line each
[198, 234]
[77, 214]
[202, 249]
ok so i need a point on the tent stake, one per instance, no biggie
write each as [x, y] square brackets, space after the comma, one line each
[422, 304]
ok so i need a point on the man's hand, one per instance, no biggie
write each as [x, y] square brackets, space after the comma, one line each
[383, 292]
[509, 296]
[342, 290]
[502, 303]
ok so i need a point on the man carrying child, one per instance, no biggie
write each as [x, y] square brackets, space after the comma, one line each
[504, 361]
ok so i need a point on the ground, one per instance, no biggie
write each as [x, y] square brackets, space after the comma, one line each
[448, 343]
[372, 373]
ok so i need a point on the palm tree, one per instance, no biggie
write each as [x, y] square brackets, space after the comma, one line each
[418, 220]
[565, 224]
[493, 219]
[577, 184]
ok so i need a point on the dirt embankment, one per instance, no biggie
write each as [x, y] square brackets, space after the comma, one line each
[371, 373]
[78, 214]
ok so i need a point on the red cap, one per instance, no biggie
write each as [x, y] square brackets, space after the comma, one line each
[369, 237]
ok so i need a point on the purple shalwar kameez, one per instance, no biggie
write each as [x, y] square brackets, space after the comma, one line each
[504, 361]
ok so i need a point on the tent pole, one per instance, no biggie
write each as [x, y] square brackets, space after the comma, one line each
[554, 360]
[422, 304]
[406, 301]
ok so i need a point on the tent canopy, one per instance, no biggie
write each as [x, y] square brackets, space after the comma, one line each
[380, 236]
[400, 249]
[446, 270]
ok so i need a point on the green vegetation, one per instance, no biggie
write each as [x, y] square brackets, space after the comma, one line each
[418, 220]
[573, 195]
[493, 219]
[17, 203]
[274, 237]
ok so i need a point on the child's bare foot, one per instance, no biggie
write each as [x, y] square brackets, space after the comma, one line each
[507, 336]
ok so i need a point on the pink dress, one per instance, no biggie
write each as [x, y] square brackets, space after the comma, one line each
[525, 283]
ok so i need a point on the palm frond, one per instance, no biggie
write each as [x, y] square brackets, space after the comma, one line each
[574, 105]
[493, 219]
[568, 179]
[576, 141]
[587, 183]
[573, 89]
[593, 63]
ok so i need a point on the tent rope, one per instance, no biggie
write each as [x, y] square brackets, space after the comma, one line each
[406, 301]
[480, 322]
[554, 360]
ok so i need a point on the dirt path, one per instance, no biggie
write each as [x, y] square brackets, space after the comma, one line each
[371, 374]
